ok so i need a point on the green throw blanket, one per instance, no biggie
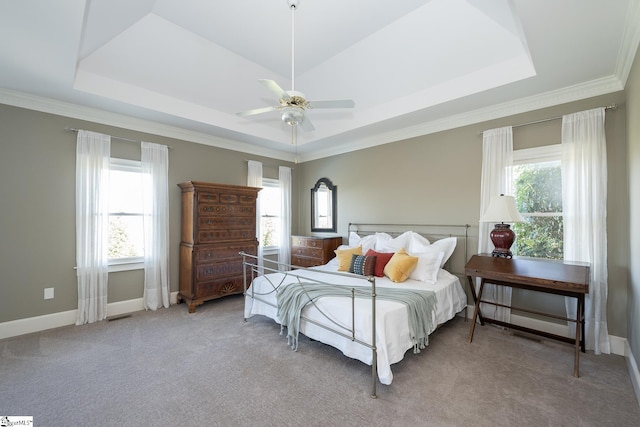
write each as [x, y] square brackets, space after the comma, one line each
[295, 296]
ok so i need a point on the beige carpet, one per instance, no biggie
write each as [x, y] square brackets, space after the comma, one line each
[211, 368]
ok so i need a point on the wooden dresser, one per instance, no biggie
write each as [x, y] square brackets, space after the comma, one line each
[218, 221]
[309, 251]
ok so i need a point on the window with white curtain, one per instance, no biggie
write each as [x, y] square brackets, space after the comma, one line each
[271, 215]
[126, 239]
[537, 184]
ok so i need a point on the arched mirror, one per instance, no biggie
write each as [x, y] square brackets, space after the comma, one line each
[324, 198]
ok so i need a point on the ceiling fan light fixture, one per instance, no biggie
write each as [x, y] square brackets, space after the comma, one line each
[292, 116]
[292, 104]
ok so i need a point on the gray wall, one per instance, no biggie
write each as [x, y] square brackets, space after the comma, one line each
[435, 179]
[429, 179]
[633, 138]
[37, 214]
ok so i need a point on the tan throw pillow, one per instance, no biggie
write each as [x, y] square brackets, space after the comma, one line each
[400, 266]
[344, 257]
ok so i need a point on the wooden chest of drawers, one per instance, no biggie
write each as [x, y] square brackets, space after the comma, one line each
[309, 251]
[218, 221]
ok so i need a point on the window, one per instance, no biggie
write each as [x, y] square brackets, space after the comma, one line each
[126, 239]
[537, 183]
[270, 212]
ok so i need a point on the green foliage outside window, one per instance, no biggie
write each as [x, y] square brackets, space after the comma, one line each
[538, 190]
[120, 245]
[268, 228]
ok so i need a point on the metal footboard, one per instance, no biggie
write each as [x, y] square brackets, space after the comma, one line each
[252, 269]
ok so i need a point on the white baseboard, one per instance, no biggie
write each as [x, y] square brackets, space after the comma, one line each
[634, 373]
[65, 318]
[618, 345]
[541, 325]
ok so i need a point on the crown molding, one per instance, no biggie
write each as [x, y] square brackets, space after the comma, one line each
[548, 99]
[630, 42]
[66, 109]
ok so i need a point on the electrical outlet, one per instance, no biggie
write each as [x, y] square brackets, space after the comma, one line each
[48, 293]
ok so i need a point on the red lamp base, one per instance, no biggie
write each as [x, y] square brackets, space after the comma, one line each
[502, 237]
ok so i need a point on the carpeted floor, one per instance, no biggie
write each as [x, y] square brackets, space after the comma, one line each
[213, 369]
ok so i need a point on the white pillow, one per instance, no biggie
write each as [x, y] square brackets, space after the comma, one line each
[395, 244]
[446, 245]
[354, 239]
[417, 242]
[429, 261]
[367, 242]
[381, 239]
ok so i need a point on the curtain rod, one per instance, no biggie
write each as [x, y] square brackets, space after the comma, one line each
[68, 129]
[609, 107]
[269, 163]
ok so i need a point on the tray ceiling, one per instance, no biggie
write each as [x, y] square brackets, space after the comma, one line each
[185, 68]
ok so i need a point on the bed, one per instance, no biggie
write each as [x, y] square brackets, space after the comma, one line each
[372, 315]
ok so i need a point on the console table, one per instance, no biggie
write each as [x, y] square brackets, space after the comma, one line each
[555, 277]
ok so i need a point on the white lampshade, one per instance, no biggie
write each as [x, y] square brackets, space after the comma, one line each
[502, 209]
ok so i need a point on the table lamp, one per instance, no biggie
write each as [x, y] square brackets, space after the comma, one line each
[502, 209]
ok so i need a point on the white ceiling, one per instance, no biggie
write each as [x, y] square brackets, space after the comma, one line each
[184, 68]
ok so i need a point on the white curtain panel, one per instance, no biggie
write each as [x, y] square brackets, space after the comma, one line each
[254, 179]
[93, 152]
[497, 161]
[155, 190]
[584, 206]
[284, 254]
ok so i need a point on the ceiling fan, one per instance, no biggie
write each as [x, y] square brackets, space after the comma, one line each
[293, 104]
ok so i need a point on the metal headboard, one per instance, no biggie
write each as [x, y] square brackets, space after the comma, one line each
[432, 232]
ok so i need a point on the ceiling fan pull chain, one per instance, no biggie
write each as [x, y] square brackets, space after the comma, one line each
[294, 141]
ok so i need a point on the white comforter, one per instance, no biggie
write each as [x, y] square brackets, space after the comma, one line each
[392, 331]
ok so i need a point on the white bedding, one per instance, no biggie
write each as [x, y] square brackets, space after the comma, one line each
[392, 331]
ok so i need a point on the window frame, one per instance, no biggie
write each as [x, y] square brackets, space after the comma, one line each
[270, 183]
[129, 263]
[545, 153]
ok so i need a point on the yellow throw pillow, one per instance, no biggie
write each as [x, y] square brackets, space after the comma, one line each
[344, 257]
[400, 266]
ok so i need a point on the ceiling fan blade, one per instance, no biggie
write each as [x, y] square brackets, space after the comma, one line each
[256, 111]
[336, 103]
[306, 125]
[275, 88]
